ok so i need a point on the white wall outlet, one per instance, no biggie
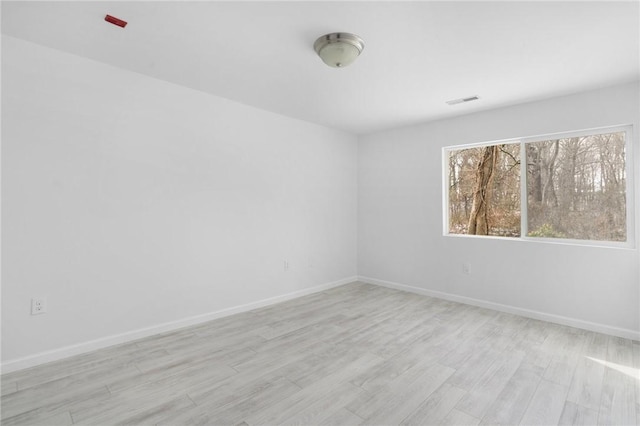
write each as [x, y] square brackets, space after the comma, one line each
[466, 268]
[286, 265]
[38, 306]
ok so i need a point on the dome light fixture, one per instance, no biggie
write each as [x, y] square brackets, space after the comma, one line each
[338, 49]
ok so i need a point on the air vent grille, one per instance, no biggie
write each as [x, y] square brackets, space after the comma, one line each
[463, 100]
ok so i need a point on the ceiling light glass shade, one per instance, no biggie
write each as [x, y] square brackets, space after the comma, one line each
[338, 49]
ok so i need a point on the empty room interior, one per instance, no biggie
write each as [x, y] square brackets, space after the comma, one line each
[320, 213]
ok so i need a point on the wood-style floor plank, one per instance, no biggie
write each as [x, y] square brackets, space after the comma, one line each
[483, 394]
[459, 418]
[403, 396]
[617, 406]
[324, 385]
[341, 417]
[436, 407]
[511, 404]
[574, 414]
[586, 385]
[8, 387]
[546, 404]
[355, 354]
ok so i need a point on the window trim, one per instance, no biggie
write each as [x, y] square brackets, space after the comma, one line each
[630, 243]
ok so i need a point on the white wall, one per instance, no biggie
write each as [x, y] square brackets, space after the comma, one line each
[129, 202]
[400, 217]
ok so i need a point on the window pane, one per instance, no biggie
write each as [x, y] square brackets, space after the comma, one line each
[576, 188]
[484, 190]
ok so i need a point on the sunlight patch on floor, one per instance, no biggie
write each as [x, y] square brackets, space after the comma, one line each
[629, 371]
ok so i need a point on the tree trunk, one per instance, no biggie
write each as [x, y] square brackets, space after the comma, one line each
[535, 181]
[549, 197]
[478, 220]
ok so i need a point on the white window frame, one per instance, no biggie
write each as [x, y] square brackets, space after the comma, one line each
[629, 195]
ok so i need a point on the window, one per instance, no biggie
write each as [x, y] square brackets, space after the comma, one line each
[572, 187]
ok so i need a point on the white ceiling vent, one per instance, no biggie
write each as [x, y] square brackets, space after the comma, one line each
[463, 100]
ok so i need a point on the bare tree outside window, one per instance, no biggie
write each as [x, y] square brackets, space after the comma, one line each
[575, 188]
[484, 190]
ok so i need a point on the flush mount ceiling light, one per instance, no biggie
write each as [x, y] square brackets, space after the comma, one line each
[338, 49]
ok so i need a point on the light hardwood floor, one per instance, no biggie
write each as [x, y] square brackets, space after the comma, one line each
[356, 354]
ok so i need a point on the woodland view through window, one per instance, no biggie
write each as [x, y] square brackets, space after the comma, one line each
[575, 187]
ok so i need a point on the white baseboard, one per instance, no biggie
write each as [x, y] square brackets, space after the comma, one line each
[528, 313]
[92, 345]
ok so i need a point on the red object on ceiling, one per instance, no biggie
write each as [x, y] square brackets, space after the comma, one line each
[115, 21]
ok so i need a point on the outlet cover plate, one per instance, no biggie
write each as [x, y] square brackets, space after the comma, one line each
[38, 306]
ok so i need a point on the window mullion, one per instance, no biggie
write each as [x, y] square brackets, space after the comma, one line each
[523, 191]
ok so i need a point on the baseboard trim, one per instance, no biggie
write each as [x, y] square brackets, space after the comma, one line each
[92, 345]
[528, 313]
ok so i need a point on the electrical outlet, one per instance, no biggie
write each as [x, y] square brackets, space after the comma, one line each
[466, 269]
[38, 306]
[286, 265]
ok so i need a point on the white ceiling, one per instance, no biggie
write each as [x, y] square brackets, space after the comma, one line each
[417, 55]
